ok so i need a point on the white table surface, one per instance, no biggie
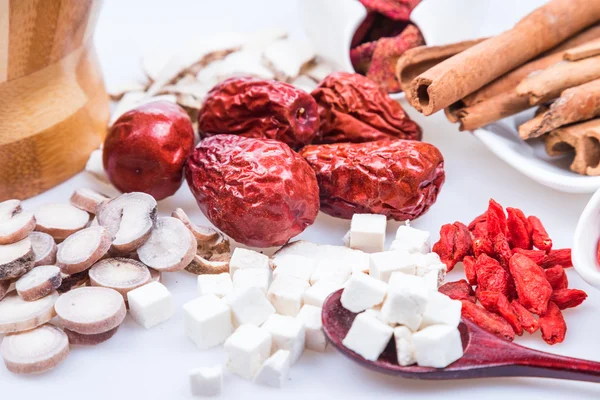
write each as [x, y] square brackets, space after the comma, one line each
[153, 364]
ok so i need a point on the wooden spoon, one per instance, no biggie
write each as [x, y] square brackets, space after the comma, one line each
[485, 355]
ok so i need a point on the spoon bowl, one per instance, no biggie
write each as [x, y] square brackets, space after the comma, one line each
[485, 355]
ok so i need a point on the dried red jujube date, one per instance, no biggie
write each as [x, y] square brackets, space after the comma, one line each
[355, 109]
[533, 288]
[260, 109]
[257, 191]
[399, 179]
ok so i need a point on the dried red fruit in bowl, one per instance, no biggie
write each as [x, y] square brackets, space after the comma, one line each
[257, 191]
[568, 298]
[353, 108]
[486, 320]
[399, 179]
[459, 290]
[553, 325]
[498, 303]
[454, 244]
[527, 320]
[260, 109]
[519, 229]
[533, 288]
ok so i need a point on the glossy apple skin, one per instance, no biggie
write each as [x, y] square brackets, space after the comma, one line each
[146, 148]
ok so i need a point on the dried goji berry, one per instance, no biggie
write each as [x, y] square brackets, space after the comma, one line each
[540, 237]
[470, 269]
[533, 288]
[537, 256]
[519, 229]
[454, 244]
[492, 277]
[478, 221]
[459, 290]
[488, 321]
[498, 303]
[496, 220]
[557, 277]
[568, 298]
[482, 245]
[553, 325]
[502, 251]
[561, 257]
[527, 320]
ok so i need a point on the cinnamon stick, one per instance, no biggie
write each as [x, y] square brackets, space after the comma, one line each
[576, 104]
[414, 62]
[584, 139]
[461, 75]
[584, 51]
[490, 110]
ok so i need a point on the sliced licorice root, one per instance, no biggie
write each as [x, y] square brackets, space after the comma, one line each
[120, 274]
[39, 282]
[129, 218]
[44, 248]
[16, 259]
[15, 224]
[88, 200]
[155, 276]
[89, 340]
[170, 247]
[201, 233]
[200, 265]
[36, 350]
[60, 220]
[18, 315]
[70, 282]
[82, 249]
[4, 288]
[90, 310]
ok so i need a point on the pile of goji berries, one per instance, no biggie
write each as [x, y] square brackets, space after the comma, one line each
[509, 259]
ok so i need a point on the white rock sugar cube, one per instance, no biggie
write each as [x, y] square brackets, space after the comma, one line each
[367, 232]
[310, 317]
[406, 300]
[405, 350]
[252, 277]
[412, 240]
[151, 304]
[207, 321]
[298, 266]
[244, 258]
[362, 292]
[247, 348]
[383, 264]
[368, 336]
[218, 284]
[288, 333]
[426, 263]
[432, 280]
[275, 370]
[441, 309]
[330, 269]
[206, 381]
[249, 306]
[437, 346]
[318, 293]
[286, 294]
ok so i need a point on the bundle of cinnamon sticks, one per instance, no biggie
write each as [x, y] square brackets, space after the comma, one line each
[550, 59]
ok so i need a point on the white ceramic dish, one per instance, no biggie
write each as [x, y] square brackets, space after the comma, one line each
[437, 20]
[585, 242]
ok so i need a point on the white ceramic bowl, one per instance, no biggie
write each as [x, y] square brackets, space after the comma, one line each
[585, 242]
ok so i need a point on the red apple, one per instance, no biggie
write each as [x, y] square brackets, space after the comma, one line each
[146, 148]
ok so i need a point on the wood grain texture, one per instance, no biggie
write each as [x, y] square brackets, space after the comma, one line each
[4, 37]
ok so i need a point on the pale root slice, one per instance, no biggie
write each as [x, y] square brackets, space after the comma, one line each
[70, 282]
[201, 233]
[18, 315]
[201, 266]
[60, 220]
[90, 310]
[15, 224]
[82, 249]
[120, 274]
[44, 248]
[171, 246]
[16, 259]
[35, 351]
[87, 199]
[129, 218]
[78, 339]
[155, 276]
[39, 282]
[4, 288]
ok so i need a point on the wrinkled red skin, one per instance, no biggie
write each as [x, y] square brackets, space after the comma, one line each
[561, 257]
[498, 303]
[399, 179]
[496, 220]
[568, 298]
[553, 325]
[257, 191]
[533, 288]
[502, 250]
[557, 277]
[355, 109]
[260, 109]
[519, 229]
[470, 269]
[146, 148]
[488, 321]
[492, 277]
[527, 320]
[537, 256]
[454, 244]
[483, 245]
[540, 237]
[478, 227]
[459, 290]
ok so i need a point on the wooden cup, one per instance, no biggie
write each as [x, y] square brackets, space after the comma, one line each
[54, 108]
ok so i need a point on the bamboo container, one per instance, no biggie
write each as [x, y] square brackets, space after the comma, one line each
[54, 108]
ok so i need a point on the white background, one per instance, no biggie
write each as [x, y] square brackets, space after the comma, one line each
[153, 364]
